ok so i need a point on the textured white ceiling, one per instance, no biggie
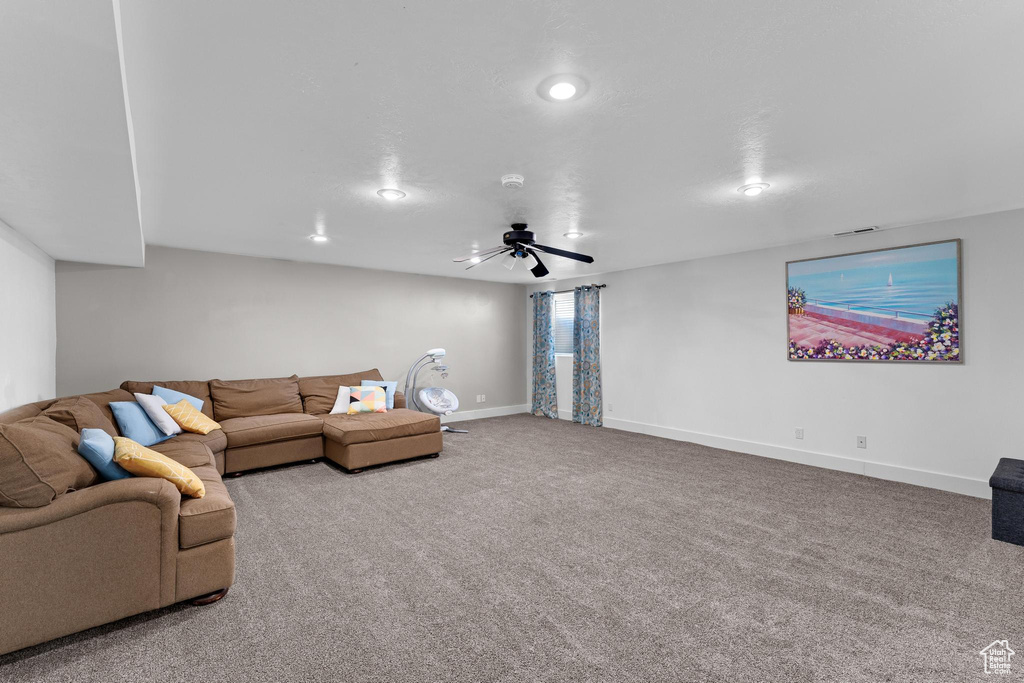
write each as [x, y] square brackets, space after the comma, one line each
[253, 120]
[66, 177]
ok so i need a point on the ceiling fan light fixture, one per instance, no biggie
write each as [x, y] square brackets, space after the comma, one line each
[539, 269]
[519, 244]
[753, 189]
[391, 194]
[512, 181]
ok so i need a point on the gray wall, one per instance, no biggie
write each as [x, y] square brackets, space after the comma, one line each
[708, 338]
[199, 315]
[27, 336]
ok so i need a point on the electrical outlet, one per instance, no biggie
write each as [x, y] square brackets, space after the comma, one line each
[862, 442]
[610, 409]
[483, 398]
[799, 432]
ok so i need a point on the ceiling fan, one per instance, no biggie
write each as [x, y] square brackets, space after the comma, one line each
[519, 244]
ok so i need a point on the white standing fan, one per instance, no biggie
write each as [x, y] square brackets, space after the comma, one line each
[436, 400]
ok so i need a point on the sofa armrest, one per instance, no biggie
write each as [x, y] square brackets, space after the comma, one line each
[399, 399]
[88, 558]
[158, 492]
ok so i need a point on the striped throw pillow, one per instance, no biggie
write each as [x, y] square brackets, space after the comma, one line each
[145, 462]
[190, 419]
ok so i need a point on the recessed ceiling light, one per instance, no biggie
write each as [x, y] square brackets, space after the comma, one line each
[573, 234]
[753, 189]
[391, 194]
[316, 237]
[562, 88]
[562, 91]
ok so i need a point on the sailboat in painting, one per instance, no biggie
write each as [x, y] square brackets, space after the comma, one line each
[890, 280]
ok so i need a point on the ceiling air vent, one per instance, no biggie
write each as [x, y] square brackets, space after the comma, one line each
[858, 231]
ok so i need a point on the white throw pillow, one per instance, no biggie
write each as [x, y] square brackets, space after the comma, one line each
[341, 404]
[154, 407]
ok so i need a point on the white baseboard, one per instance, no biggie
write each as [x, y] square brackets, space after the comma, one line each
[500, 411]
[936, 480]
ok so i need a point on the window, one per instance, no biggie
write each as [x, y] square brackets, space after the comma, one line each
[564, 311]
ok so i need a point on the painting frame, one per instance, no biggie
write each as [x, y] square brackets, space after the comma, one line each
[958, 361]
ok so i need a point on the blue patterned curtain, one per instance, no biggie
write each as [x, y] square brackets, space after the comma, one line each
[544, 400]
[586, 357]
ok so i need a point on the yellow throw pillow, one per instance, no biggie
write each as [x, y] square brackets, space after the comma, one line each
[190, 419]
[143, 462]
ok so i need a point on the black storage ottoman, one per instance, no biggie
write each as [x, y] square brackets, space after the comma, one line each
[1007, 484]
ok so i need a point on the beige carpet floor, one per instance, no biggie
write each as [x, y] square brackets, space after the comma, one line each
[537, 550]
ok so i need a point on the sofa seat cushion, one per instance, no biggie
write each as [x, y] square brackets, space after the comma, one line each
[260, 429]
[207, 519]
[216, 440]
[191, 454]
[365, 427]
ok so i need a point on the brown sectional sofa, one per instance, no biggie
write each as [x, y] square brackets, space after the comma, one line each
[118, 548]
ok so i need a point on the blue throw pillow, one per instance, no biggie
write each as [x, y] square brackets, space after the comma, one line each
[97, 447]
[135, 424]
[172, 397]
[389, 388]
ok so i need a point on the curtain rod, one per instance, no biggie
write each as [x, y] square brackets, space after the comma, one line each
[566, 291]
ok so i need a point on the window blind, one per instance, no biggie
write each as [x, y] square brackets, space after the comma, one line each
[564, 305]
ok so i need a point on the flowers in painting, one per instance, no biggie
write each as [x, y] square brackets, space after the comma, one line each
[941, 341]
[797, 297]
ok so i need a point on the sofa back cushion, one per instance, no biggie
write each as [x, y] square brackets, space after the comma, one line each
[248, 397]
[78, 413]
[39, 461]
[319, 393]
[104, 398]
[198, 388]
[23, 412]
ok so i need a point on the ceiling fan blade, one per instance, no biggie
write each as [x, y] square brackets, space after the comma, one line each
[566, 254]
[488, 258]
[483, 252]
[538, 270]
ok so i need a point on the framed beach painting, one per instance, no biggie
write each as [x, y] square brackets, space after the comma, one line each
[900, 304]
